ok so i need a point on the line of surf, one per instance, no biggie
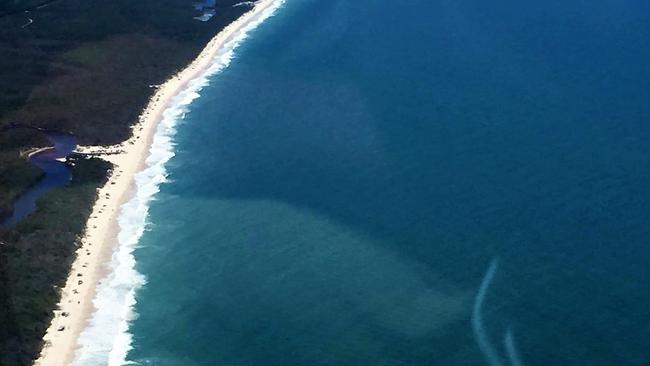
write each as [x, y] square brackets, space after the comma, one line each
[107, 340]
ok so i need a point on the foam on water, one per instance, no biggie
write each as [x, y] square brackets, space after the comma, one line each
[106, 340]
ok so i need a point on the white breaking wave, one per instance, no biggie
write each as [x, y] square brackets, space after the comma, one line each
[244, 3]
[106, 340]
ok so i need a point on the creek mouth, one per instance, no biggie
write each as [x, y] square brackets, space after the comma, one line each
[57, 173]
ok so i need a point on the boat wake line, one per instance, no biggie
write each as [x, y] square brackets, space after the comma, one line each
[484, 344]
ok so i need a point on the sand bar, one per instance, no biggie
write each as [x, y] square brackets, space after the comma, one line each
[100, 237]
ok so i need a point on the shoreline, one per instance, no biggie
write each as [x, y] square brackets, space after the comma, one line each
[31, 152]
[99, 240]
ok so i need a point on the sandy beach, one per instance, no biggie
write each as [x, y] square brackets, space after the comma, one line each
[100, 237]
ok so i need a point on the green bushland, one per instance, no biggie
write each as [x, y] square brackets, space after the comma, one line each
[36, 256]
[16, 173]
[87, 67]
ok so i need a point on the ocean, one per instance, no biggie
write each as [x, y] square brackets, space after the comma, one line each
[429, 182]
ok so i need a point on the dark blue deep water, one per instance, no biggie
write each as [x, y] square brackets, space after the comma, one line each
[425, 182]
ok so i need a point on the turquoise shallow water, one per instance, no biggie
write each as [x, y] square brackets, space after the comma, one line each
[436, 183]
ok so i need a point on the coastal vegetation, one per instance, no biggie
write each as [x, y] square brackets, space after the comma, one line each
[89, 68]
[36, 256]
[86, 67]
